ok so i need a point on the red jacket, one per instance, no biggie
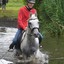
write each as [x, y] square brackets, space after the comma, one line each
[23, 17]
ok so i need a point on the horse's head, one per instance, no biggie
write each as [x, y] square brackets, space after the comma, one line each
[34, 24]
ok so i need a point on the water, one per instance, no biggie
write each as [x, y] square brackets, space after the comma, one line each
[6, 36]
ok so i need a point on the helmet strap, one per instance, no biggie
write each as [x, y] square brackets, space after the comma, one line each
[28, 8]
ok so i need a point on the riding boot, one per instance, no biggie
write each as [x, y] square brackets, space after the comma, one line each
[40, 40]
[11, 46]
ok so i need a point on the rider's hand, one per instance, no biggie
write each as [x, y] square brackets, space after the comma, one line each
[25, 29]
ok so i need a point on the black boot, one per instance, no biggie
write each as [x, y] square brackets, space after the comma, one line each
[11, 46]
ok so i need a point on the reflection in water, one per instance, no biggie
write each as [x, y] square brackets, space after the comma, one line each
[6, 37]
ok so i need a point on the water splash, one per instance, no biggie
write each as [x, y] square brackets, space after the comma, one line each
[40, 58]
[3, 61]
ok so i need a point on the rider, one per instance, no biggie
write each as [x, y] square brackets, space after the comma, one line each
[23, 17]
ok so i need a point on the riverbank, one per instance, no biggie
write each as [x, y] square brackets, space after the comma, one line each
[8, 22]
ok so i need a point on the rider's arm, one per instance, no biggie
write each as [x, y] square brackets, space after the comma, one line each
[20, 19]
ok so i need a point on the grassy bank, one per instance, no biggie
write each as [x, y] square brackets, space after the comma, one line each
[12, 8]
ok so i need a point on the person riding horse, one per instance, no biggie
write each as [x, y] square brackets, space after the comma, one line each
[23, 16]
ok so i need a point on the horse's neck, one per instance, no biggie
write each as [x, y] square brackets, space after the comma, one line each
[28, 31]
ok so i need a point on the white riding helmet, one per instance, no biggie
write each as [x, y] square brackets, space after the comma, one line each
[31, 1]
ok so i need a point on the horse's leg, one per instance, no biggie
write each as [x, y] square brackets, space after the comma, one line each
[24, 58]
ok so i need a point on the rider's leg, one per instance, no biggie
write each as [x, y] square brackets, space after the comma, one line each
[16, 38]
[40, 38]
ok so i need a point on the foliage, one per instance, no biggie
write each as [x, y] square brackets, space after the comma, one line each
[24, 1]
[51, 15]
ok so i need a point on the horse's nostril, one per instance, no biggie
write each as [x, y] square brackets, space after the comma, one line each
[36, 35]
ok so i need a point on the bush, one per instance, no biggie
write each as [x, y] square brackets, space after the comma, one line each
[51, 15]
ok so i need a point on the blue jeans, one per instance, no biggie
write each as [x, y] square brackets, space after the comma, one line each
[18, 36]
[40, 37]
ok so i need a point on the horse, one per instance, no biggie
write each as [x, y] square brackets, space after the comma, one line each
[30, 38]
[29, 45]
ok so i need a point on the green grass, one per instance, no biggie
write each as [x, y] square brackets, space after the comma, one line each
[12, 8]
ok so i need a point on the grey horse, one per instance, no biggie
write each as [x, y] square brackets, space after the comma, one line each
[30, 42]
[30, 38]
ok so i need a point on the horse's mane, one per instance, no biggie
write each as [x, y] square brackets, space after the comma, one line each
[33, 16]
